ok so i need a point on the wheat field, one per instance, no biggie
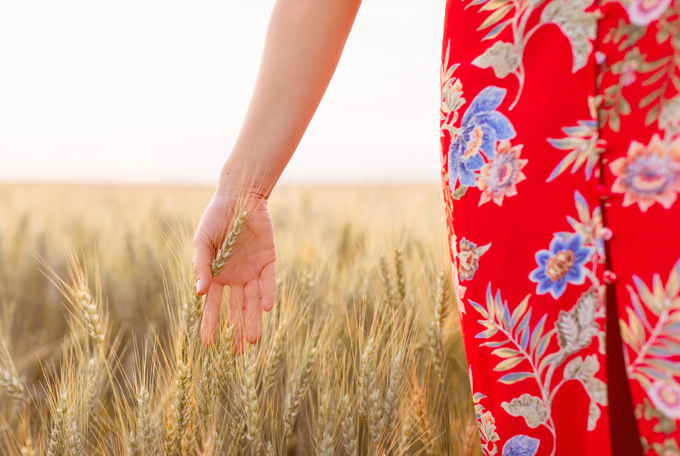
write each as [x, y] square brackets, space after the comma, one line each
[99, 348]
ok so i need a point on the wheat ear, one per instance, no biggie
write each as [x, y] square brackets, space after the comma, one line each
[349, 429]
[442, 300]
[297, 392]
[274, 356]
[393, 390]
[251, 405]
[57, 431]
[144, 428]
[434, 343]
[10, 382]
[228, 244]
[422, 419]
[325, 437]
[401, 276]
[386, 283]
[89, 312]
[366, 377]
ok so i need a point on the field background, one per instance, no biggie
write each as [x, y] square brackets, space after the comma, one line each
[136, 240]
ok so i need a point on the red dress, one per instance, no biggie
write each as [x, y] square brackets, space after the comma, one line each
[561, 172]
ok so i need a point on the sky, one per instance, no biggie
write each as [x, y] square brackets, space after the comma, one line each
[154, 91]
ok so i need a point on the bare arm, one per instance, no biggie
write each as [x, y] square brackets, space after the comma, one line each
[304, 43]
[303, 46]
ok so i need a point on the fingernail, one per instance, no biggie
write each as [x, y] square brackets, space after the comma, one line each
[198, 286]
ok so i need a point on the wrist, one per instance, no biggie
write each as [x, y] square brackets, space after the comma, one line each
[235, 182]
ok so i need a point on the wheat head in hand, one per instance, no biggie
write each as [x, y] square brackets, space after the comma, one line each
[244, 260]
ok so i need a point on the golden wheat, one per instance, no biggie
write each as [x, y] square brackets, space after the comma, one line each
[347, 360]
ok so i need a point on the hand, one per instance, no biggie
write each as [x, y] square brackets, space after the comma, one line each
[250, 271]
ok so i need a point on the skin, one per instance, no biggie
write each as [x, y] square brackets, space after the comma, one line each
[304, 42]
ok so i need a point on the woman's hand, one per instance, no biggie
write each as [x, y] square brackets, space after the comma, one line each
[250, 270]
[304, 42]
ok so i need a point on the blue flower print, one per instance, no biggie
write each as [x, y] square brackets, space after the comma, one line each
[521, 445]
[563, 263]
[481, 128]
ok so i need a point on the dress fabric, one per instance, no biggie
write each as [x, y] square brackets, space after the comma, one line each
[560, 124]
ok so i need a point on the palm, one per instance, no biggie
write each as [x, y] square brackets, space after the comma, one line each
[249, 271]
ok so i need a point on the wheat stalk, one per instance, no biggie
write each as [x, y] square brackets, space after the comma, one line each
[10, 382]
[57, 431]
[401, 277]
[405, 431]
[422, 420]
[434, 344]
[442, 299]
[392, 393]
[386, 283]
[375, 415]
[144, 427]
[204, 389]
[225, 251]
[225, 355]
[89, 312]
[72, 440]
[274, 356]
[348, 428]
[251, 406]
[180, 412]
[471, 437]
[297, 391]
[325, 435]
[93, 378]
[366, 377]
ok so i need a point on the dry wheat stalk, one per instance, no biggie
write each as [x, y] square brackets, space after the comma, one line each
[58, 417]
[93, 377]
[204, 390]
[144, 427]
[349, 430]
[89, 312]
[471, 437]
[133, 443]
[236, 434]
[10, 382]
[27, 448]
[251, 406]
[297, 391]
[375, 415]
[422, 420]
[170, 433]
[225, 355]
[274, 355]
[180, 410]
[434, 344]
[325, 435]
[225, 251]
[442, 299]
[405, 431]
[366, 375]
[401, 276]
[72, 441]
[386, 283]
[393, 390]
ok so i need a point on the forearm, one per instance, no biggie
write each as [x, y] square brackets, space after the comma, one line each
[304, 42]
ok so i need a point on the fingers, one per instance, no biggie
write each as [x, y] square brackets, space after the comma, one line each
[211, 314]
[203, 255]
[236, 317]
[268, 283]
[253, 311]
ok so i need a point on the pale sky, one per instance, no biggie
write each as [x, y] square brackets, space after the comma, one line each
[154, 91]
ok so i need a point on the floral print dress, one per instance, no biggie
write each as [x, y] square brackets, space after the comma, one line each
[560, 134]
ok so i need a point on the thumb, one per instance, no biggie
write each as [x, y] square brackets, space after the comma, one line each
[203, 256]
